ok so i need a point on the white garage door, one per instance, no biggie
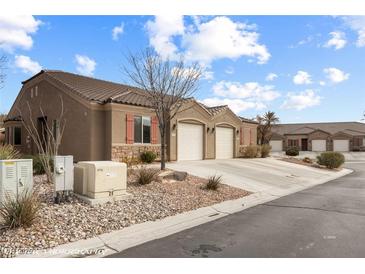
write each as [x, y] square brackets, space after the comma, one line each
[318, 145]
[224, 143]
[190, 142]
[341, 145]
[276, 145]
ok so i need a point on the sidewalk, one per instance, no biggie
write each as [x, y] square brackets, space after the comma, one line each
[117, 241]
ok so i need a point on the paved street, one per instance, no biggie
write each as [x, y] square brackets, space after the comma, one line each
[324, 221]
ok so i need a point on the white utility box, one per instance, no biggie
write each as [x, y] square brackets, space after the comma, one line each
[63, 174]
[101, 181]
[16, 177]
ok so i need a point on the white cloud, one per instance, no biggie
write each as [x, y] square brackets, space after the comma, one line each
[271, 77]
[229, 70]
[357, 24]
[27, 65]
[205, 41]
[161, 32]
[117, 31]
[322, 83]
[302, 78]
[85, 65]
[302, 100]
[223, 38]
[236, 105]
[241, 96]
[338, 40]
[335, 75]
[250, 90]
[16, 31]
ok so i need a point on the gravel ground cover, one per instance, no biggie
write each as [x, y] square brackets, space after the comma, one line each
[68, 222]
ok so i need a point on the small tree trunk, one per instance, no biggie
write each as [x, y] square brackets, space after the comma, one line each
[163, 147]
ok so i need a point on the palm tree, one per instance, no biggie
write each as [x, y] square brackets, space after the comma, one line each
[265, 126]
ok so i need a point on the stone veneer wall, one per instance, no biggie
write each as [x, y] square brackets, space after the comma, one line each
[132, 151]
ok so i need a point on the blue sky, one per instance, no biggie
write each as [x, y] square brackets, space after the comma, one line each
[305, 68]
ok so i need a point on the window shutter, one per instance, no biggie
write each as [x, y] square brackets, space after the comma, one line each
[250, 136]
[130, 128]
[154, 124]
[241, 136]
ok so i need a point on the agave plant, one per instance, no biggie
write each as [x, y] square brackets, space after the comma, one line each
[8, 152]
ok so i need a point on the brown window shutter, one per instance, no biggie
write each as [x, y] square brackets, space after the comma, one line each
[130, 128]
[241, 136]
[251, 136]
[154, 124]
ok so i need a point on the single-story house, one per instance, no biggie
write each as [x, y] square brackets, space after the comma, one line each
[112, 121]
[336, 136]
[2, 136]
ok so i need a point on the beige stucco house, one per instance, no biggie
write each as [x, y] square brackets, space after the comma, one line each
[336, 136]
[111, 121]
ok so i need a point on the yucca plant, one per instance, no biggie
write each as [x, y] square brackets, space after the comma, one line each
[214, 182]
[8, 152]
[146, 175]
[19, 211]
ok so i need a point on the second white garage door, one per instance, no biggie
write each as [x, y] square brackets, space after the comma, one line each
[190, 142]
[224, 143]
[318, 145]
[341, 145]
[276, 145]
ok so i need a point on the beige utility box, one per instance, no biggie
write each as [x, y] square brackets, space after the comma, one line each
[100, 181]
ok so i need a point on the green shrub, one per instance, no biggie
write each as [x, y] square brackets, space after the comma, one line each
[251, 151]
[146, 175]
[38, 168]
[148, 156]
[331, 159]
[19, 211]
[292, 151]
[265, 150]
[8, 152]
[214, 182]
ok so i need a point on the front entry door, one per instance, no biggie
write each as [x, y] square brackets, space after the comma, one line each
[304, 144]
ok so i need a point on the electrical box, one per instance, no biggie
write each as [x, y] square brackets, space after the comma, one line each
[16, 177]
[63, 174]
[101, 179]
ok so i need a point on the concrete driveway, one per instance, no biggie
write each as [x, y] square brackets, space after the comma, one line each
[269, 175]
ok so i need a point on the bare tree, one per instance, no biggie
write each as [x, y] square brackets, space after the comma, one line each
[47, 138]
[265, 126]
[167, 85]
[3, 61]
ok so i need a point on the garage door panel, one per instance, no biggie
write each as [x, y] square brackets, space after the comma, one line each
[319, 145]
[276, 145]
[224, 143]
[341, 145]
[190, 142]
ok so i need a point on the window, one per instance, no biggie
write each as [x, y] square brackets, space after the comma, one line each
[36, 90]
[293, 143]
[17, 136]
[142, 129]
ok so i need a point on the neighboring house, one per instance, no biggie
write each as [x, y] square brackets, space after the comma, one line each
[336, 136]
[2, 136]
[111, 121]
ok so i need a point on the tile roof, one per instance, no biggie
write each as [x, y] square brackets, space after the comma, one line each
[102, 91]
[331, 128]
[246, 120]
[97, 90]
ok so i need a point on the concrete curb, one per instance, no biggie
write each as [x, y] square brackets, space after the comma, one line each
[117, 241]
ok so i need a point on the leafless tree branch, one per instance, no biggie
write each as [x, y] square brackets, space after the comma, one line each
[167, 84]
[48, 139]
